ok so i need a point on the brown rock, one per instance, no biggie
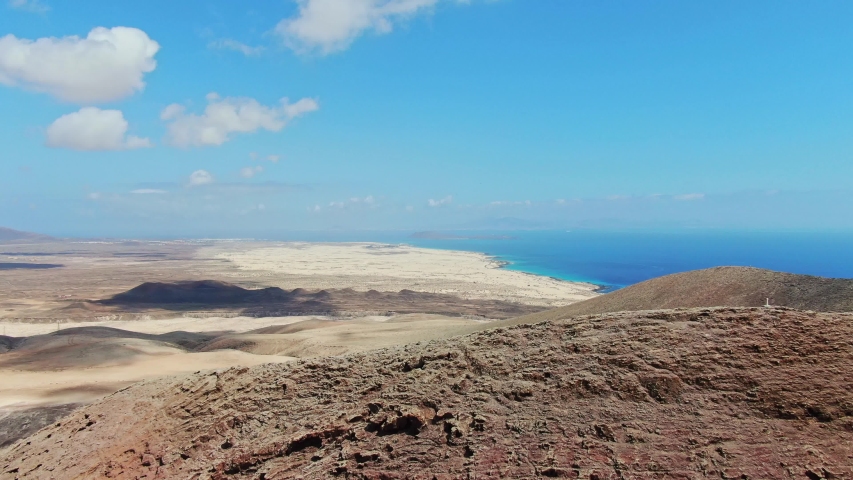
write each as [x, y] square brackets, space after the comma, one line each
[713, 393]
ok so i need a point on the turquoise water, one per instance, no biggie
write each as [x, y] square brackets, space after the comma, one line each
[617, 259]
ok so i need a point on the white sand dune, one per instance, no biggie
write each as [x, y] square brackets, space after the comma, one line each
[155, 326]
[317, 338]
[80, 369]
[84, 385]
[365, 266]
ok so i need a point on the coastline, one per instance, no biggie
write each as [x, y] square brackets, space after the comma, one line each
[598, 287]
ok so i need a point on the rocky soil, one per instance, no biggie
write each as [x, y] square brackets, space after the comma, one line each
[701, 393]
[713, 287]
[19, 423]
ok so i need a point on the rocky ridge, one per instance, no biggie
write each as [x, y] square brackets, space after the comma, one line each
[714, 287]
[693, 393]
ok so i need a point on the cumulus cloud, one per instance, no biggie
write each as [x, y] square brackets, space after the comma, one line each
[34, 6]
[224, 117]
[91, 129]
[200, 177]
[689, 196]
[235, 46]
[440, 202]
[327, 26]
[249, 172]
[107, 65]
[273, 158]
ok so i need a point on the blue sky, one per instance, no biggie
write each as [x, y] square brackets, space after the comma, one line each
[423, 114]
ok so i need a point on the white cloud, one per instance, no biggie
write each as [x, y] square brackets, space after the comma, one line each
[273, 158]
[249, 172]
[327, 26]
[34, 6]
[107, 65]
[90, 129]
[200, 177]
[689, 196]
[440, 202]
[94, 196]
[355, 202]
[148, 191]
[234, 45]
[503, 203]
[226, 116]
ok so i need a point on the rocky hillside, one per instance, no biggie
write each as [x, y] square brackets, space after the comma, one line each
[715, 287]
[701, 393]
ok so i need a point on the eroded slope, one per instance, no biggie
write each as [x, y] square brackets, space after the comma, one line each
[721, 393]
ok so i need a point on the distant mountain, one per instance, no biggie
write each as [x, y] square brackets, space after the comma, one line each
[720, 286]
[503, 224]
[10, 235]
[451, 236]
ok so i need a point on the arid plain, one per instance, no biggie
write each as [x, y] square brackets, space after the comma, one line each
[64, 342]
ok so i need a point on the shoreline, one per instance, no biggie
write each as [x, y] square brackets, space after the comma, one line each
[600, 286]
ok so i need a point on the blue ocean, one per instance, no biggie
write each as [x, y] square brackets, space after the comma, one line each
[617, 259]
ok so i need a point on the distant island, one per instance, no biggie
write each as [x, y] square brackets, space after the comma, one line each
[448, 236]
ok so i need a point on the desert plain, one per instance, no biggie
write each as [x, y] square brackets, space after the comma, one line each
[64, 344]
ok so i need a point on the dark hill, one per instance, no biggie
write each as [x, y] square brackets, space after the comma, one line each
[720, 286]
[10, 235]
[206, 292]
[703, 393]
[273, 301]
